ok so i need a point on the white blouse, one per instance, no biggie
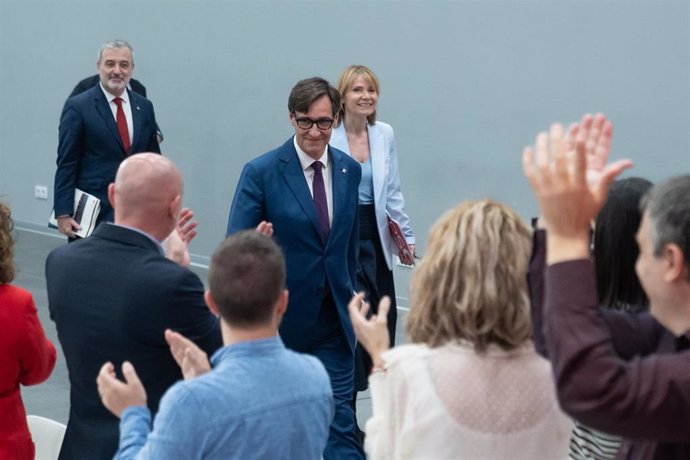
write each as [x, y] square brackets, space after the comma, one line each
[453, 403]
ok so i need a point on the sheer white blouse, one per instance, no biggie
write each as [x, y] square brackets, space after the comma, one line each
[452, 403]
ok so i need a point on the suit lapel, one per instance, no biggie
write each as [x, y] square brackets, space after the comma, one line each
[377, 154]
[291, 169]
[339, 180]
[103, 108]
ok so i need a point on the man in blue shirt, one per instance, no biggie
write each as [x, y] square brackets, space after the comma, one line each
[260, 400]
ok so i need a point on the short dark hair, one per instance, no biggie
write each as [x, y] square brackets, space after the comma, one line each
[306, 91]
[615, 248]
[246, 277]
[668, 208]
[6, 245]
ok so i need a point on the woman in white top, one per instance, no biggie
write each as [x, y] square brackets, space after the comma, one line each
[372, 144]
[470, 385]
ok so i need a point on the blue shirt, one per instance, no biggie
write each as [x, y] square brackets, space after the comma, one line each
[366, 185]
[261, 400]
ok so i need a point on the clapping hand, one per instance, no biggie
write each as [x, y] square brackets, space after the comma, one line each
[192, 360]
[116, 395]
[265, 228]
[557, 169]
[372, 333]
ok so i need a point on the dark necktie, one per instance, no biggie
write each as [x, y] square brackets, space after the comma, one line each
[122, 124]
[320, 201]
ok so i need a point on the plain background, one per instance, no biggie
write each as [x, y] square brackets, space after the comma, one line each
[465, 84]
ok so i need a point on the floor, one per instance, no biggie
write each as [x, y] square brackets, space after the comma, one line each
[51, 398]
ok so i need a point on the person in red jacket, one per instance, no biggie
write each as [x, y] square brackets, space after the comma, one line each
[27, 357]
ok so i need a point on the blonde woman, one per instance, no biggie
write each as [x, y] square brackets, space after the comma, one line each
[469, 385]
[372, 143]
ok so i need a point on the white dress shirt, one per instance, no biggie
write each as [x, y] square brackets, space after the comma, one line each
[306, 161]
[126, 107]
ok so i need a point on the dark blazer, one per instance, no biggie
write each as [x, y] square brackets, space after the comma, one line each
[272, 187]
[90, 82]
[112, 296]
[90, 149]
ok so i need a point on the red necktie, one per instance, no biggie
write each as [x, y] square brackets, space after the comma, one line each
[122, 124]
[320, 201]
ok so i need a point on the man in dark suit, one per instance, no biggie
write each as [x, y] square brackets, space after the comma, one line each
[308, 192]
[112, 296]
[134, 85]
[98, 129]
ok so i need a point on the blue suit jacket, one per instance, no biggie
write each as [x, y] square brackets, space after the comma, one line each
[112, 296]
[90, 149]
[272, 187]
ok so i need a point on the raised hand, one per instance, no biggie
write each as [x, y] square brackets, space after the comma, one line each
[558, 175]
[372, 333]
[116, 395]
[265, 228]
[186, 225]
[176, 249]
[192, 360]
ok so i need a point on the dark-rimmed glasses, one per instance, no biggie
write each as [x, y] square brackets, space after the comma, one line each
[322, 123]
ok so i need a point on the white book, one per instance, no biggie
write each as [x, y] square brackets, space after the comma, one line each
[86, 210]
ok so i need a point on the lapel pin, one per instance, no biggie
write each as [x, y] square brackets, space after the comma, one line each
[344, 170]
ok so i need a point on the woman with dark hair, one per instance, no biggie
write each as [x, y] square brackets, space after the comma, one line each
[26, 356]
[615, 252]
[470, 384]
[615, 248]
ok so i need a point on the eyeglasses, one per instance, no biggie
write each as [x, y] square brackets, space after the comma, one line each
[322, 123]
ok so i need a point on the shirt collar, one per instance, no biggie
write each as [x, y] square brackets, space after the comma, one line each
[109, 97]
[248, 348]
[158, 243]
[306, 161]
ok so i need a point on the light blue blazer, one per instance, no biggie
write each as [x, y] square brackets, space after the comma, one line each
[388, 197]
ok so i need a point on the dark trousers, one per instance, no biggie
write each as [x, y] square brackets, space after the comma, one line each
[331, 347]
[376, 280]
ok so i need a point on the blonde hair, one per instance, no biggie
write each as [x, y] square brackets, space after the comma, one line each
[345, 82]
[6, 245]
[472, 283]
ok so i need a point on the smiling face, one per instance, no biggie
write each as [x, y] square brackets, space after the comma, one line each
[313, 141]
[115, 69]
[361, 98]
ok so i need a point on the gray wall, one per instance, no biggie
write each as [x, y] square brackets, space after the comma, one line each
[466, 85]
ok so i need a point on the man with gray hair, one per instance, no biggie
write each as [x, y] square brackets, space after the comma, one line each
[98, 129]
[623, 374]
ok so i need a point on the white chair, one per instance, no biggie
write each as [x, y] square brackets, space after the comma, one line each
[47, 435]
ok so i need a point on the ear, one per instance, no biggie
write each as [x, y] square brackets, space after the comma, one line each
[176, 207]
[210, 303]
[675, 263]
[291, 118]
[111, 194]
[282, 303]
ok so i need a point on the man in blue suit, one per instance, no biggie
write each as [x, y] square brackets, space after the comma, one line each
[308, 192]
[98, 129]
